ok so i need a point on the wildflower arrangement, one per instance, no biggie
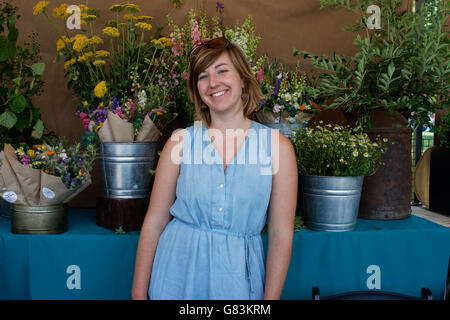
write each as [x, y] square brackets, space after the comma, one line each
[71, 163]
[115, 70]
[443, 131]
[328, 150]
[198, 29]
[289, 94]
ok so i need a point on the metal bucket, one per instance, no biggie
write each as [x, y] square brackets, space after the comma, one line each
[386, 195]
[331, 203]
[286, 128]
[126, 169]
[39, 219]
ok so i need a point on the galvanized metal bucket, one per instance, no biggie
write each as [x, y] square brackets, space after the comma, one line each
[39, 219]
[126, 169]
[331, 203]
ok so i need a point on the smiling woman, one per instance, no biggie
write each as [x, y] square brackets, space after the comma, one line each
[201, 236]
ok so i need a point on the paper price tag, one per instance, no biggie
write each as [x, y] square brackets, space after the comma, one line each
[48, 193]
[10, 196]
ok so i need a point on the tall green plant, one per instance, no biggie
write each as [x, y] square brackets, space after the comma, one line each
[20, 79]
[403, 66]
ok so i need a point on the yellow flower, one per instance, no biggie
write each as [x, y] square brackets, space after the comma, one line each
[167, 42]
[144, 18]
[99, 126]
[40, 7]
[61, 11]
[69, 63]
[116, 8]
[98, 62]
[129, 17]
[85, 56]
[144, 26]
[132, 8]
[95, 40]
[60, 44]
[100, 89]
[101, 53]
[111, 31]
[31, 153]
[90, 17]
[85, 103]
[80, 41]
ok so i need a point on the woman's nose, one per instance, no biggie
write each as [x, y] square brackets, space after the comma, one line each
[212, 80]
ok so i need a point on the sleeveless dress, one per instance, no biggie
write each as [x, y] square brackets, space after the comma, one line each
[212, 248]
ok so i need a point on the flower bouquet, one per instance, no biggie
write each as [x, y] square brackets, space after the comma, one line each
[119, 96]
[45, 175]
[200, 28]
[289, 94]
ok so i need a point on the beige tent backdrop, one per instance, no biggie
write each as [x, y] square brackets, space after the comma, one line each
[282, 24]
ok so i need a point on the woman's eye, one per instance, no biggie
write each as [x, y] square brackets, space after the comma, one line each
[203, 76]
[223, 71]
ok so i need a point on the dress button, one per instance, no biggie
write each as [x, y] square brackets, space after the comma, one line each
[221, 185]
[220, 209]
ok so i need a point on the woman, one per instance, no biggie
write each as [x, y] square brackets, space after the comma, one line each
[212, 248]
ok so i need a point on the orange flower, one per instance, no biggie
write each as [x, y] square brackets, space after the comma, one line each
[315, 106]
[302, 108]
[50, 152]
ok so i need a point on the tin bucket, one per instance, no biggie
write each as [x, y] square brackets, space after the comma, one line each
[39, 219]
[126, 169]
[331, 203]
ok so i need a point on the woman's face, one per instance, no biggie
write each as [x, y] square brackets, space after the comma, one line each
[220, 86]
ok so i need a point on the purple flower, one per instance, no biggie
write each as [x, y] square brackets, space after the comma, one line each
[220, 7]
[115, 102]
[277, 86]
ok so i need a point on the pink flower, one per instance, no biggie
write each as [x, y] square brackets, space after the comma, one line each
[260, 75]
[83, 115]
[277, 108]
[185, 75]
[86, 123]
[177, 50]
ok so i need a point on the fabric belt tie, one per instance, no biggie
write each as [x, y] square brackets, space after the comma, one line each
[246, 237]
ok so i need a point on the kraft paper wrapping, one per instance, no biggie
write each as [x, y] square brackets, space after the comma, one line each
[115, 129]
[33, 187]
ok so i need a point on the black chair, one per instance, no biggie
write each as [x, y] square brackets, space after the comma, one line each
[371, 295]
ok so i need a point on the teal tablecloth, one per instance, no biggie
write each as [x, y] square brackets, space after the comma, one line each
[90, 262]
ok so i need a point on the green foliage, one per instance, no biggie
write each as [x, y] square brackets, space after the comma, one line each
[443, 131]
[20, 79]
[337, 151]
[403, 66]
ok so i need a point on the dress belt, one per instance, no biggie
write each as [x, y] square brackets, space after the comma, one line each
[246, 236]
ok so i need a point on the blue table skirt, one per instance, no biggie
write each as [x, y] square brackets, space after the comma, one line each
[90, 262]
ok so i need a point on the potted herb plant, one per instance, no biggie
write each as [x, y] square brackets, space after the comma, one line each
[332, 162]
[399, 72]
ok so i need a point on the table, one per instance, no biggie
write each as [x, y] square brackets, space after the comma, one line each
[90, 262]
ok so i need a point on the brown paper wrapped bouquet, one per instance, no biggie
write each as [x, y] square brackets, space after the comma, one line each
[45, 175]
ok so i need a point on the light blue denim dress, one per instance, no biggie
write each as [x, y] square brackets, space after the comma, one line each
[212, 248]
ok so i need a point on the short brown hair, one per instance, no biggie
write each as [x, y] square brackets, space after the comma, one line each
[251, 93]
